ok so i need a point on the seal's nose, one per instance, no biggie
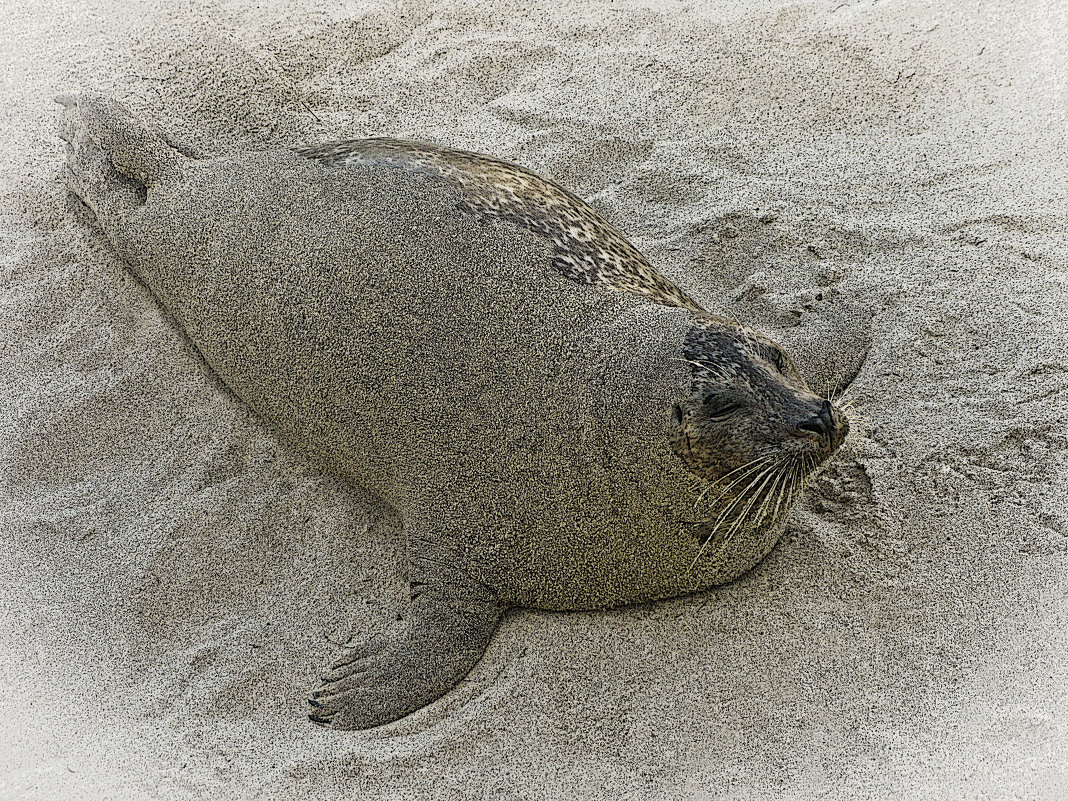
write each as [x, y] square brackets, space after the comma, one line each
[821, 423]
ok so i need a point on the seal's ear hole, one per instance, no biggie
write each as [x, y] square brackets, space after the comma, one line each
[676, 414]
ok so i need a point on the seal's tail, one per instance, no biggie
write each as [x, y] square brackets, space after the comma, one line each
[136, 150]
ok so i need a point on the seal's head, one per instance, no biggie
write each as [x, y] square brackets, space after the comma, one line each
[751, 426]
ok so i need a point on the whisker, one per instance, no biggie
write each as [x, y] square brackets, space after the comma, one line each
[790, 489]
[767, 495]
[774, 492]
[723, 515]
[714, 528]
[798, 479]
[754, 464]
[743, 516]
[795, 479]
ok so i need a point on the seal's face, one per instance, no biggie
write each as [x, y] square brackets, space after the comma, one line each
[751, 427]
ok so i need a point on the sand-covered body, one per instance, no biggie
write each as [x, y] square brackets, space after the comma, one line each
[438, 359]
[557, 424]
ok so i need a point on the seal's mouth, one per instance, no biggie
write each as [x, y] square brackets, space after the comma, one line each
[760, 493]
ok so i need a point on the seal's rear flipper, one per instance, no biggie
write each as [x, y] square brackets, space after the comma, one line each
[112, 161]
[136, 150]
[452, 619]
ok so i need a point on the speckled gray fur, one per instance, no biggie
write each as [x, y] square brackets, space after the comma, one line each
[527, 422]
[586, 247]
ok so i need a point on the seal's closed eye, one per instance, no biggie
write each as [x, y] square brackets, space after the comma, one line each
[723, 405]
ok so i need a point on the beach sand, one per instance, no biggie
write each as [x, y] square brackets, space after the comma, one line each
[879, 185]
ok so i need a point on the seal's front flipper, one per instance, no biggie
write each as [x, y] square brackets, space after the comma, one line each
[452, 619]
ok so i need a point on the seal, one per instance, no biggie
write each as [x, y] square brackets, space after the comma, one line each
[558, 424]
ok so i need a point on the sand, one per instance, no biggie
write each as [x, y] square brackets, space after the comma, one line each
[881, 185]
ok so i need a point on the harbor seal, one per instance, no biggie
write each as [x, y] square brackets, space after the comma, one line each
[558, 424]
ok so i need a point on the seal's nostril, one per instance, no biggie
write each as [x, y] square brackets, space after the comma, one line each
[816, 425]
[821, 423]
[827, 413]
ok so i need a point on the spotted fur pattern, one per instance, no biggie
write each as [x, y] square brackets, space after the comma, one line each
[586, 248]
